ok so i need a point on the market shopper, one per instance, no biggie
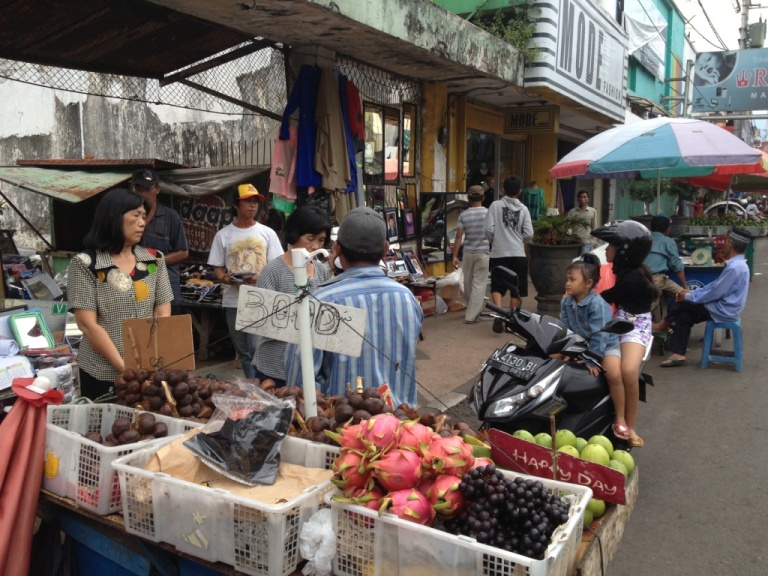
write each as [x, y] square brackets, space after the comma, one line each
[111, 280]
[475, 262]
[588, 216]
[662, 260]
[239, 252]
[722, 300]
[308, 227]
[164, 230]
[633, 294]
[508, 228]
[533, 198]
[393, 320]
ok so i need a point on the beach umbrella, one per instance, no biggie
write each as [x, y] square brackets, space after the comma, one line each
[660, 148]
[736, 182]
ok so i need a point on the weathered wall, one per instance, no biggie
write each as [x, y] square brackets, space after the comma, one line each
[45, 123]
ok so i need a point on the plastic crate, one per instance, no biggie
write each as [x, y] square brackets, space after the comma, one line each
[80, 469]
[372, 545]
[215, 525]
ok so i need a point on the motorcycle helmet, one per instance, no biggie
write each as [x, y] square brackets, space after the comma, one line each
[631, 239]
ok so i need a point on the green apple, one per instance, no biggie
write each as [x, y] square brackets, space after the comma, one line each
[570, 450]
[597, 507]
[524, 435]
[565, 438]
[595, 453]
[543, 439]
[602, 441]
[625, 458]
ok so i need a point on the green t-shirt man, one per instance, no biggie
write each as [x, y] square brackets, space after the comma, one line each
[533, 198]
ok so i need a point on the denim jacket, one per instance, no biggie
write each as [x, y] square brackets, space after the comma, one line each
[584, 317]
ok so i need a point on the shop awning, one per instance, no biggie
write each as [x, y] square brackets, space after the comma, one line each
[71, 185]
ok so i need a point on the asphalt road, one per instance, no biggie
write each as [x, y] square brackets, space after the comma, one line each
[701, 509]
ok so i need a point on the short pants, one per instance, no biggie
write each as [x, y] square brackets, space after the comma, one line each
[518, 265]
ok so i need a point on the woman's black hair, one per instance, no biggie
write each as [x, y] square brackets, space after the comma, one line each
[589, 266]
[307, 219]
[106, 232]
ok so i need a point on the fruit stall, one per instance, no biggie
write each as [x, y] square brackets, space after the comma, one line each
[401, 492]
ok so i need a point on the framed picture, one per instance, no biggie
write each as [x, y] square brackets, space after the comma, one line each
[409, 225]
[412, 262]
[370, 151]
[390, 219]
[396, 268]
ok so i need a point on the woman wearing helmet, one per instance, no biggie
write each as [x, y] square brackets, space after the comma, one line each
[629, 242]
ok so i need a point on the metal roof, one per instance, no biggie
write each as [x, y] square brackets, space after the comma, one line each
[67, 185]
[127, 37]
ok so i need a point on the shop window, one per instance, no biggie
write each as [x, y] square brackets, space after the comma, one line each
[410, 132]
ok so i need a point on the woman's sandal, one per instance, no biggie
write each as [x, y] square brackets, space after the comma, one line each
[620, 431]
[635, 442]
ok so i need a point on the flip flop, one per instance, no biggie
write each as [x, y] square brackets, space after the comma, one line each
[671, 362]
[635, 442]
[620, 431]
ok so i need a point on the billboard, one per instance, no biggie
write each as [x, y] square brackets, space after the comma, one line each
[732, 81]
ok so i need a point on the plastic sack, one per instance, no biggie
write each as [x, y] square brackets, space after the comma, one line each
[440, 306]
[317, 543]
[243, 436]
[455, 277]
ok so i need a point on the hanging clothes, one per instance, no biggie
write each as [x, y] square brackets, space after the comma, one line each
[282, 176]
[355, 115]
[304, 99]
[352, 187]
[331, 159]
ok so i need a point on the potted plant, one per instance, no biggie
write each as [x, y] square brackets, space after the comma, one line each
[553, 248]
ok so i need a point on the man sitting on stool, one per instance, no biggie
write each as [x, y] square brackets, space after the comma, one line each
[661, 260]
[722, 301]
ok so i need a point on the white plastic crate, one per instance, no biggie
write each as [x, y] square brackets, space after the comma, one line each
[371, 545]
[215, 525]
[80, 469]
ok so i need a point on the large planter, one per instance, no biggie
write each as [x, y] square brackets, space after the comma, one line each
[645, 220]
[548, 265]
[678, 226]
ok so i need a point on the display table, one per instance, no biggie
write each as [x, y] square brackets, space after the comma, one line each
[203, 319]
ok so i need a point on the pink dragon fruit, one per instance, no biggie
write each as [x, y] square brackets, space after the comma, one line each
[398, 469]
[445, 496]
[449, 455]
[425, 484]
[363, 497]
[351, 471]
[349, 438]
[409, 505]
[380, 433]
[482, 461]
[415, 436]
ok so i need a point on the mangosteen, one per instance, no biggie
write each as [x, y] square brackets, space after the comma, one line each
[354, 400]
[129, 374]
[372, 405]
[146, 423]
[129, 437]
[360, 415]
[94, 437]
[343, 412]
[161, 430]
[371, 393]
[120, 426]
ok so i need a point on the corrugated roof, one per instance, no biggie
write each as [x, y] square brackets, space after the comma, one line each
[67, 185]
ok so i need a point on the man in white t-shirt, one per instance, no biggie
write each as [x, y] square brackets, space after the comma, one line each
[239, 252]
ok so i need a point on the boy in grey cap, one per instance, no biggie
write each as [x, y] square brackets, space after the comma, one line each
[393, 318]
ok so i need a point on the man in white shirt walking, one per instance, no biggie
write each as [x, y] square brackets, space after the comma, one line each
[588, 215]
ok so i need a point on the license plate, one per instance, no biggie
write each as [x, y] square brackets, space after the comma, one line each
[514, 364]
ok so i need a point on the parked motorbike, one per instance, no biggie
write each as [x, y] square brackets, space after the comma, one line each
[520, 385]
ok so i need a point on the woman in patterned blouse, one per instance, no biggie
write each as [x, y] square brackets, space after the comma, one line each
[111, 280]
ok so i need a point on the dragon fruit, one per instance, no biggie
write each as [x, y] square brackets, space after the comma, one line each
[444, 495]
[398, 469]
[350, 438]
[481, 462]
[425, 484]
[409, 505]
[351, 471]
[415, 436]
[449, 455]
[370, 498]
[380, 433]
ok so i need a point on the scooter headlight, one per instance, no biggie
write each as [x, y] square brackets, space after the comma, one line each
[544, 389]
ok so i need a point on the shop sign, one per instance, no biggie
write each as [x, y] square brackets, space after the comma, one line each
[202, 217]
[539, 119]
[730, 81]
[582, 55]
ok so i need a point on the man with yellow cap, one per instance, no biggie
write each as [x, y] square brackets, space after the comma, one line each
[239, 252]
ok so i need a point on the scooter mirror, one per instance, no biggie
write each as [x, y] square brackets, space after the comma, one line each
[506, 278]
[617, 326]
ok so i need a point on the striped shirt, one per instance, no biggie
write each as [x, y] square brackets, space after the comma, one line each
[472, 221]
[392, 328]
[278, 276]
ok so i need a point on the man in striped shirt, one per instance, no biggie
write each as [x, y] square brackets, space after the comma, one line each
[475, 256]
[393, 317]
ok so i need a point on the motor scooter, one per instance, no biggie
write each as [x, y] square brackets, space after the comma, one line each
[520, 385]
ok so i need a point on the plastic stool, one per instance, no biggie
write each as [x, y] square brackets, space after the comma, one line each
[738, 349]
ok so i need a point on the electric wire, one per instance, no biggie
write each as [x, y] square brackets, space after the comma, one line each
[711, 25]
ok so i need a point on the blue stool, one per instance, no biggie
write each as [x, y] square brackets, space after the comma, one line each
[738, 349]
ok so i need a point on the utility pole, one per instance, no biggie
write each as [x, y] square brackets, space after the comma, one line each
[744, 30]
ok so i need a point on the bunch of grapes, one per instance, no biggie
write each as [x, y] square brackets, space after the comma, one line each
[515, 515]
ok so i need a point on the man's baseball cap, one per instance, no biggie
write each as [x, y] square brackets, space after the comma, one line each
[476, 193]
[146, 178]
[248, 191]
[363, 231]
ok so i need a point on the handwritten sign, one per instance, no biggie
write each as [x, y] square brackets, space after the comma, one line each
[514, 453]
[272, 314]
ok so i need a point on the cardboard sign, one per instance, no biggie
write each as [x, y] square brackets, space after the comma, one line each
[272, 314]
[154, 343]
[514, 453]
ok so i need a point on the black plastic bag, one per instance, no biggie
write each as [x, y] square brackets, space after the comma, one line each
[52, 552]
[246, 448]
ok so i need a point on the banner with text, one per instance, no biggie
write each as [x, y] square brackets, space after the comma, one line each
[732, 81]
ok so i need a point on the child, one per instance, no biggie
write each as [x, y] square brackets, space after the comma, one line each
[583, 311]
[633, 294]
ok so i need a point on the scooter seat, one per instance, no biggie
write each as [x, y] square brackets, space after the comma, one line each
[577, 382]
